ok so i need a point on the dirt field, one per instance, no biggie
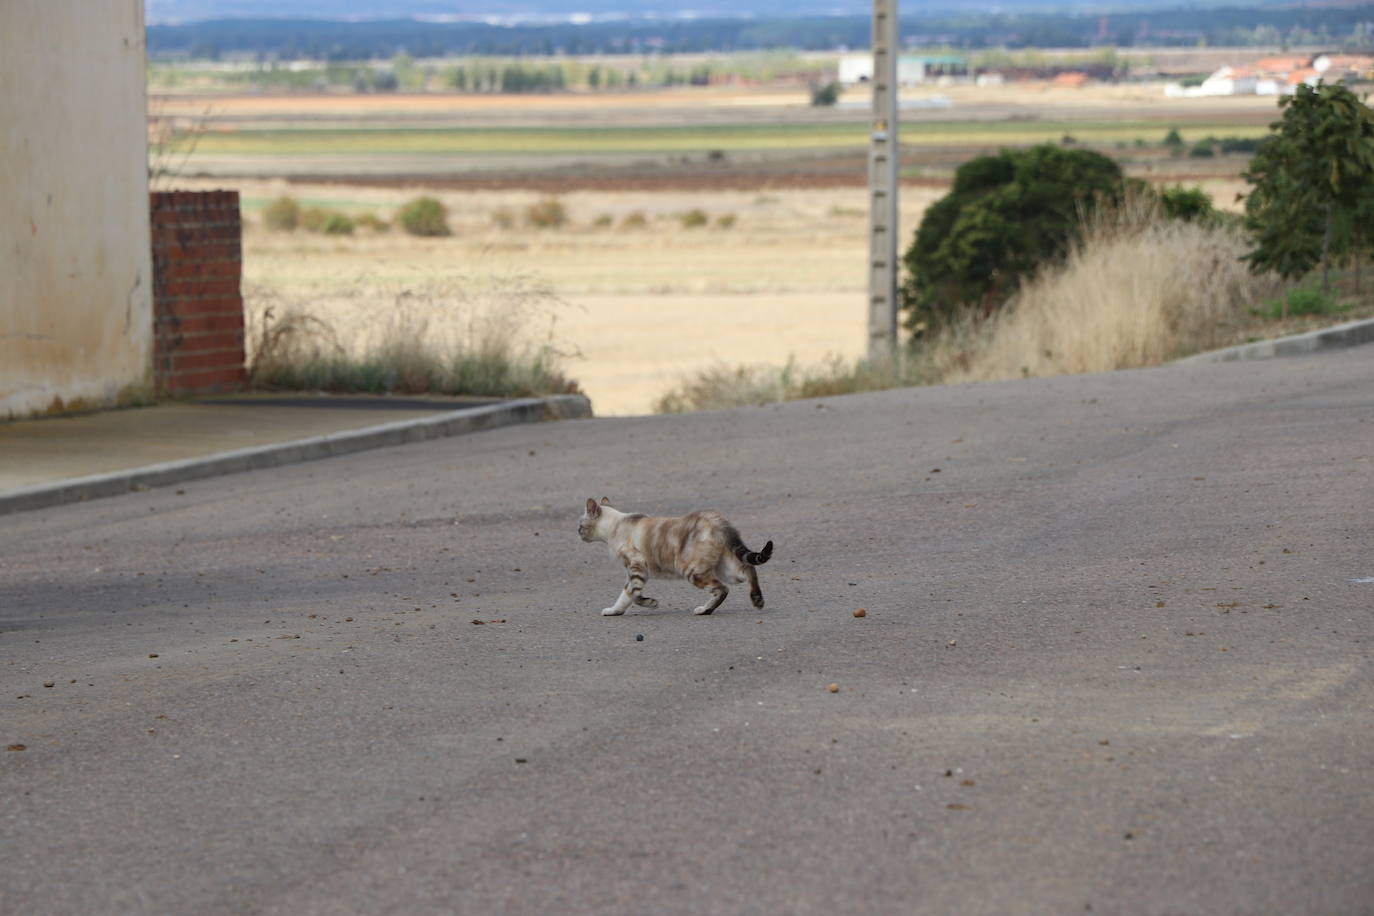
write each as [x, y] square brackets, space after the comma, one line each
[776, 273]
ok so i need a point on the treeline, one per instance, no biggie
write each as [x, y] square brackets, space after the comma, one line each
[1351, 27]
[491, 74]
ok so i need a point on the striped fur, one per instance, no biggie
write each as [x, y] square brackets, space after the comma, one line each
[701, 547]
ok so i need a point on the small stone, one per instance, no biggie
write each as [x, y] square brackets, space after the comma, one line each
[639, 637]
[17, 747]
[834, 688]
[152, 655]
[49, 683]
[860, 612]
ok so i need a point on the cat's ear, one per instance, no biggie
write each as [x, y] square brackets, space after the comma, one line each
[605, 500]
[593, 509]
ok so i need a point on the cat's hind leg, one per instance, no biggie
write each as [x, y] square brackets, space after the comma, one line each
[717, 588]
[755, 593]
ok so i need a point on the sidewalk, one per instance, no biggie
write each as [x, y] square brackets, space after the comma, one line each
[52, 461]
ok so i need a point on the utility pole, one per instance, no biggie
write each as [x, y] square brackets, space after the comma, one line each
[883, 163]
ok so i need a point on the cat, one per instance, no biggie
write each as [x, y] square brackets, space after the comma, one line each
[701, 547]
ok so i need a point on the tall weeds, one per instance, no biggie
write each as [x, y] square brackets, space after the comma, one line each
[1139, 290]
[452, 336]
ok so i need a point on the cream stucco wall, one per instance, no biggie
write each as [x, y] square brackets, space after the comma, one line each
[75, 273]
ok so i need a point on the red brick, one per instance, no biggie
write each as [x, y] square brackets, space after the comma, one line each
[183, 361]
[222, 340]
[219, 321]
[196, 287]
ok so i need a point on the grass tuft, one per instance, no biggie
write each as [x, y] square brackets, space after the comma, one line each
[485, 344]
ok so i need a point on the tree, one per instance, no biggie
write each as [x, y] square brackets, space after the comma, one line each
[1313, 181]
[1005, 217]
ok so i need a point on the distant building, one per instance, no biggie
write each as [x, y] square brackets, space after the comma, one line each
[912, 69]
[1279, 75]
[1352, 68]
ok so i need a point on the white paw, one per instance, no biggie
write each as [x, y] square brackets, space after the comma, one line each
[702, 610]
[612, 612]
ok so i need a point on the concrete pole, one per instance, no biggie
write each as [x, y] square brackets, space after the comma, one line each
[883, 164]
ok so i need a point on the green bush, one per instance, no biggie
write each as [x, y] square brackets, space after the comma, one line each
[1240, 144]
[1203, 150]
[337, 224]
[725, 221]
[1188, 204]
[1173, 138]
[693, 219]
[282, 214]
[824, 95]
[635, 220]
[424, 216]
[1005, 217]
[1302, 300]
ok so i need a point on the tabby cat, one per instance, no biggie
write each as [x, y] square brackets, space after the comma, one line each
[701, 547]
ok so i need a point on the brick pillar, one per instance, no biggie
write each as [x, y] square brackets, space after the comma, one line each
[198, 345]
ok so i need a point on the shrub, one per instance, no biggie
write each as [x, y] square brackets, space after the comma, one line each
[313, 219]
[1240, 144]
[1006, 216]
[1188, 204]
[725, 221]
[425, 216]
[635, 220]
[1302, 300]
[282, 214]
[603, 221]
[693, 219]
[1173, 139]
[337, 224]
[546, 213]
[502, 218]
[1202, 150]
[824, 95]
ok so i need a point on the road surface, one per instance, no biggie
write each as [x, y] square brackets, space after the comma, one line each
[1115, 659]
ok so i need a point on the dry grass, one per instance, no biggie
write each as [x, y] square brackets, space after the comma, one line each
[1140, 291]
[436, 336]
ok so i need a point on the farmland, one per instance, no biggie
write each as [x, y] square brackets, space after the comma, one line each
[769, 266]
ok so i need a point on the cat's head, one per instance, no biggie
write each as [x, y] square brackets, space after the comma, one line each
[591, 515]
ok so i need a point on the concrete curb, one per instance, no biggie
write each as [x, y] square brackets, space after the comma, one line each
[1350, 334]
[451, 423]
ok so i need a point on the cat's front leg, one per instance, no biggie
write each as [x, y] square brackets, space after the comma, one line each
[635, 577]
[621, 603]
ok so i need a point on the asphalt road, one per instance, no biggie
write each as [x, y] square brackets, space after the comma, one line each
[1116, 659]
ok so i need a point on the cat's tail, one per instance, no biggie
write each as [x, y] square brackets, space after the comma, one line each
[751, 557]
